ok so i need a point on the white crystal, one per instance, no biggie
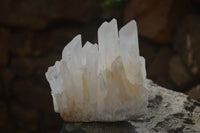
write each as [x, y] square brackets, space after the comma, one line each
[104, 82]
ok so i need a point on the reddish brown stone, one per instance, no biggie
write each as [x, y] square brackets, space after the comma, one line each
[157, 19]
[151, 17]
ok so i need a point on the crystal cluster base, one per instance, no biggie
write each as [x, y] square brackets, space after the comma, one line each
[104, 82]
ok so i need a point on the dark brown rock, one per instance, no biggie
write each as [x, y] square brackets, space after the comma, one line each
[4, 120]
[157, 19]
[158, 70]
[26, 119]
[1, 91]
[4, 46]
[36, 43]
[23, 66]
[148, 51]
[38, 14]
[60, 37]
[30, 94]
[41, 66]
[51, 123]
[187, 43]
[151, 17]
[26, 42]
[194, 92]
[179, 73]
[161, 62]
[6, 77]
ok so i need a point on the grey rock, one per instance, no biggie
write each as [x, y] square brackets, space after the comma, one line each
[168, 112]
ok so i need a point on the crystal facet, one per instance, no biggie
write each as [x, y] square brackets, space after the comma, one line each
[104, 82]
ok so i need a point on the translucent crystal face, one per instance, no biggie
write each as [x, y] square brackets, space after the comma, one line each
[104, 82]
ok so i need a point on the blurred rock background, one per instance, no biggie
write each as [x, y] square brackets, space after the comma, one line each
[33, 34]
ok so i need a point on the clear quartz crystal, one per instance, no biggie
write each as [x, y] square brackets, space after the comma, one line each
[104, 82]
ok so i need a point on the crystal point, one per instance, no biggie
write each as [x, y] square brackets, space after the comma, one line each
[104, 82]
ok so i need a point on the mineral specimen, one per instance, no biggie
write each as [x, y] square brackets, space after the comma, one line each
[104, 82]
[167, 112]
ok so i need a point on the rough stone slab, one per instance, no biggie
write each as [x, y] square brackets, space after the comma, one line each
[168, 112]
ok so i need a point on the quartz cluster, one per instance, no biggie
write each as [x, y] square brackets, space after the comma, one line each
[104, 82]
